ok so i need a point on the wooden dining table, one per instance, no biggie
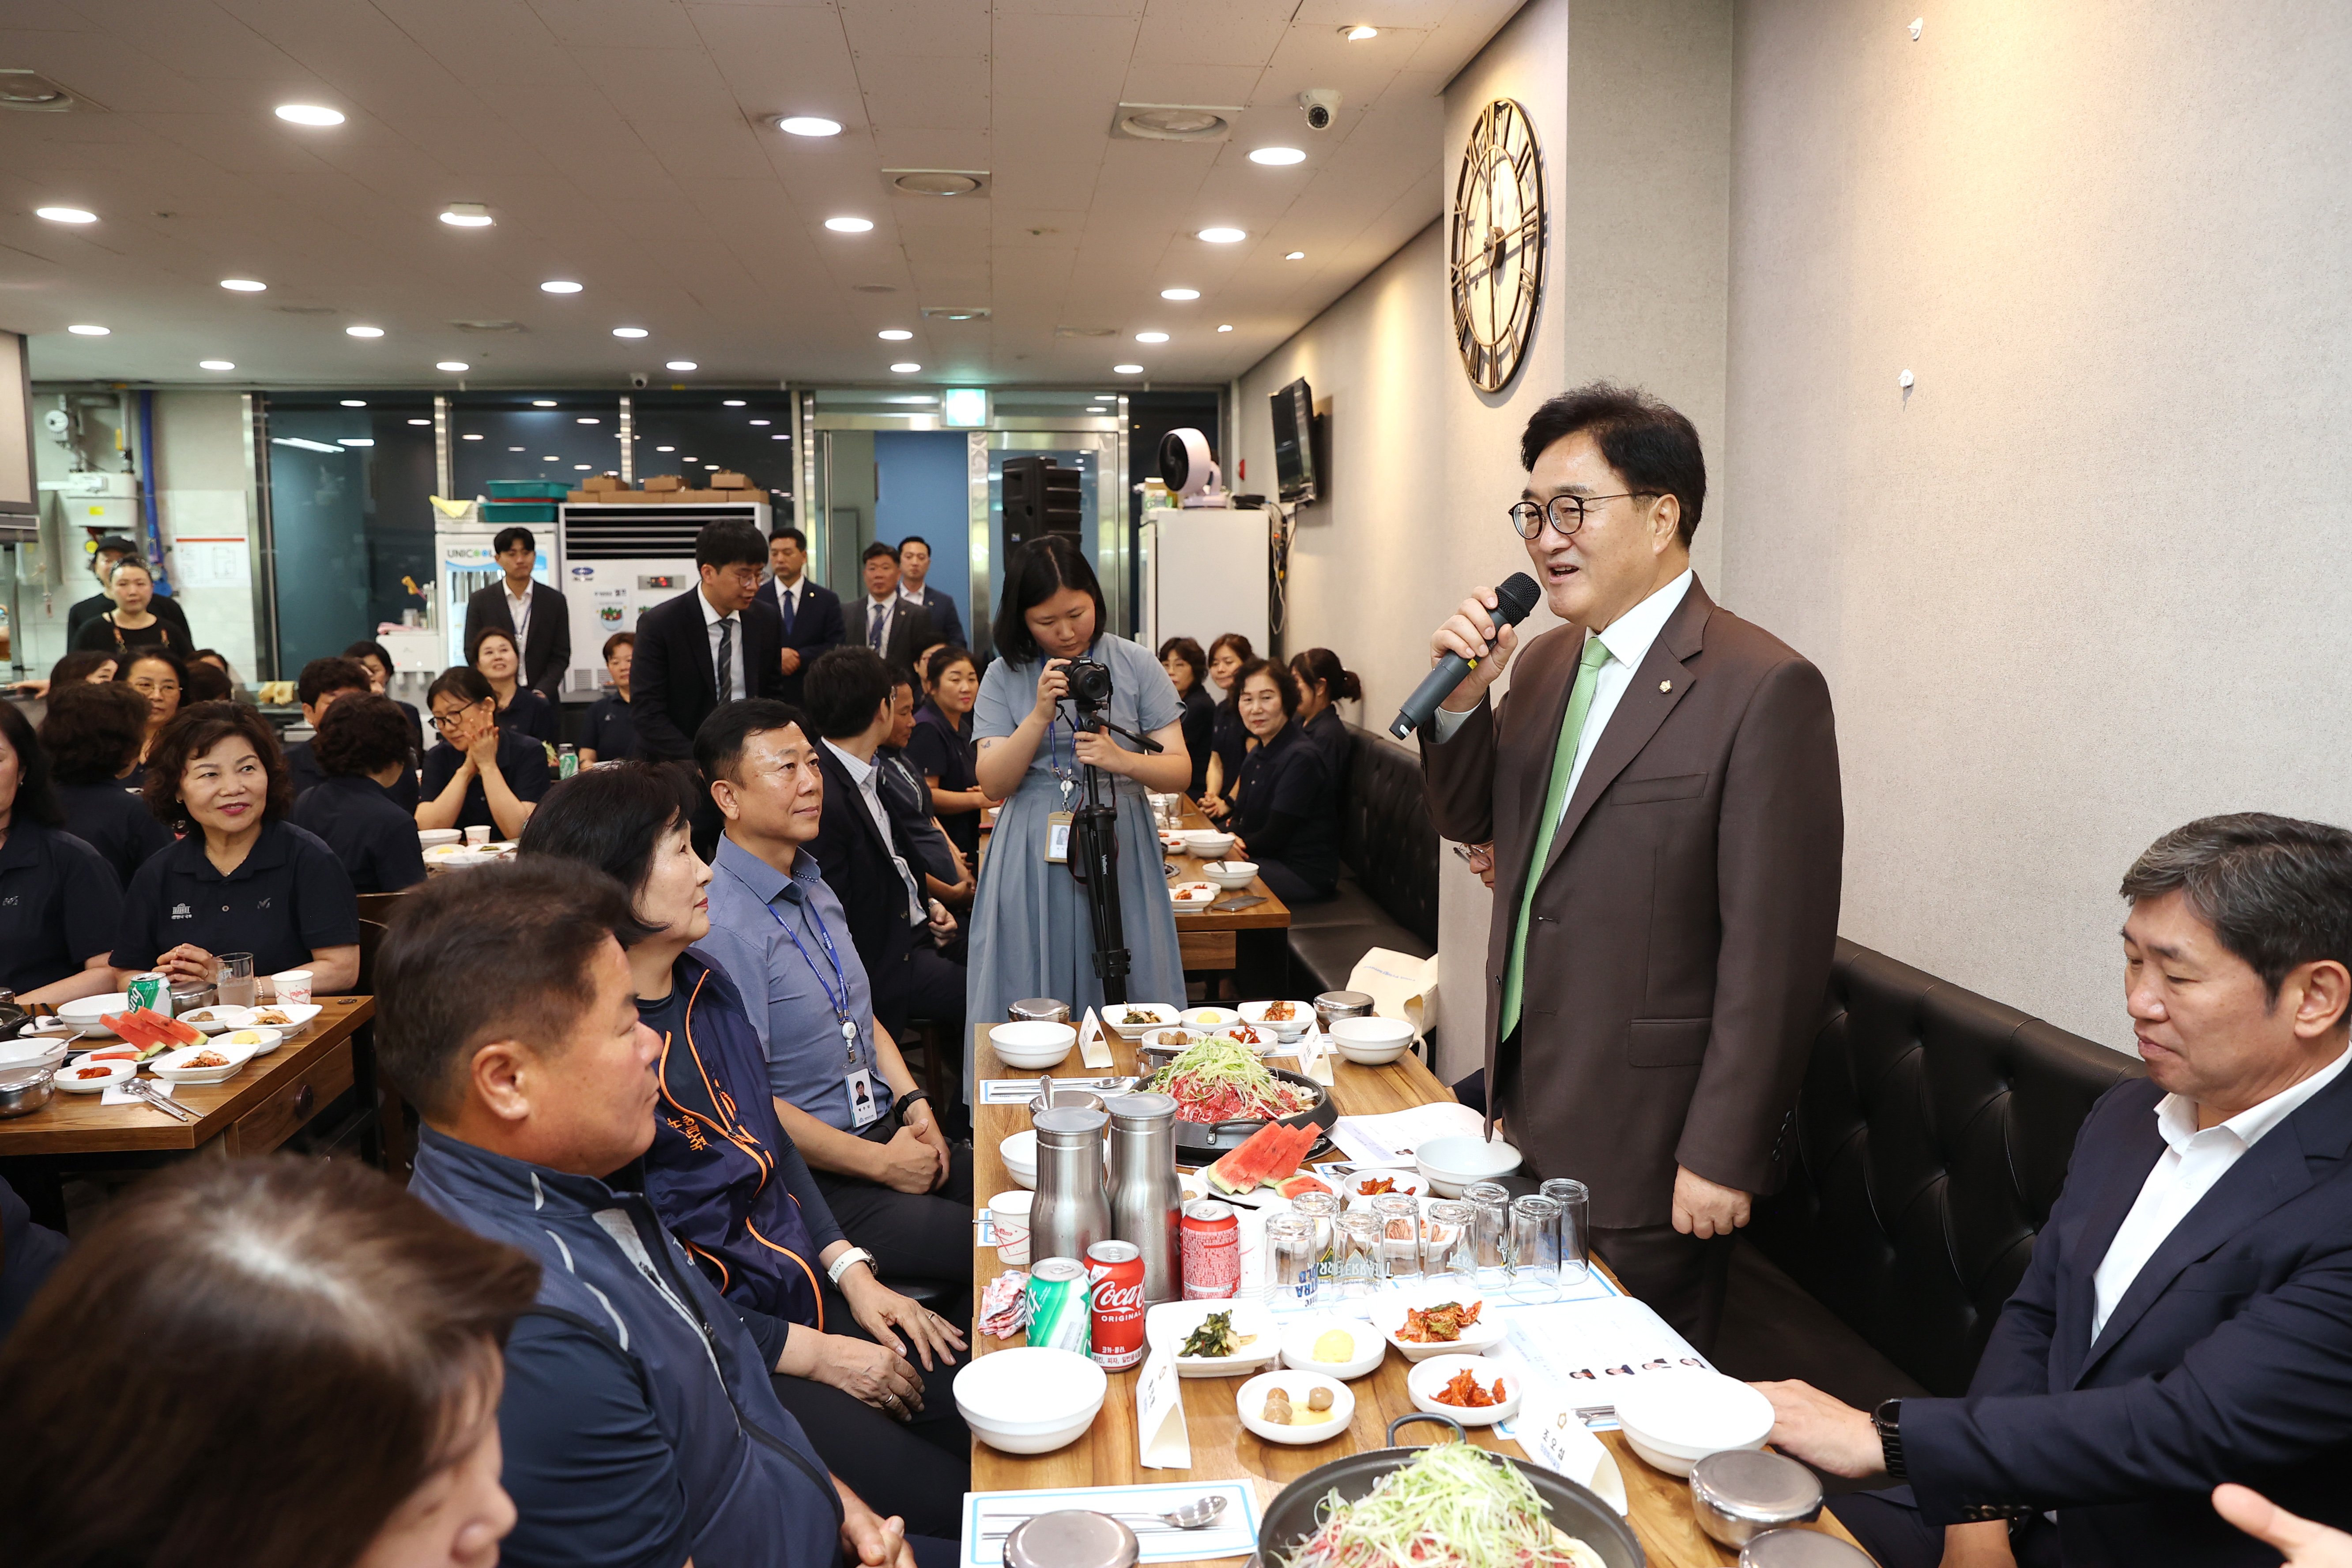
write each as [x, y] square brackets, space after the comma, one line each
[1222, 1447]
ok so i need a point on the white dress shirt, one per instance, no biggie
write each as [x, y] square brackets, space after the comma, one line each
[883, 608]
[1628, 640]
[870, 791]
[518, 611]
[788, 598]
[710, 619]
[2192, 1162]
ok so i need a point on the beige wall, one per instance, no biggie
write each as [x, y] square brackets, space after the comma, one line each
[2086, 582]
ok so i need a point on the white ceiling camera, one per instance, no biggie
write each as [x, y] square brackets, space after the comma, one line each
[1188, 470]
[1320, 103]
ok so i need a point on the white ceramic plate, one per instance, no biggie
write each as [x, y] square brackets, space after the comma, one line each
[1427, 1378]
[172, 1066]
[261, 1043]
[1210, 1019]
[1408, 1182]
[1249, 1402]
[1301, 1019]
[1298, 1347]
[1476, 1339]
[1188, 895]
[1169, 1324]
[297, 1016]
[1163, 1014]
[212, 1020]
[65, 1079]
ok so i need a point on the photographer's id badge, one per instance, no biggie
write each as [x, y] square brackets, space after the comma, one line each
[1057, 839]
[865, 1109]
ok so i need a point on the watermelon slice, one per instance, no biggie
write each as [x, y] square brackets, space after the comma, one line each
[1243, 1168]
[1302, 1184]
[1297, 1140]
[176, 1030]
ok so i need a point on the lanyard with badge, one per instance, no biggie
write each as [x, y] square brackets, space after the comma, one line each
[864, 1108]
[1057, 823]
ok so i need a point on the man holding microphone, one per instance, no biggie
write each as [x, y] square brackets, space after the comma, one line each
[1661, 786]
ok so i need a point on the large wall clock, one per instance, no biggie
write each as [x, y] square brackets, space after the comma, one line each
[1496, 258]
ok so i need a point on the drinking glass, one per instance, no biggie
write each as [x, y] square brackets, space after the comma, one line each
[235, 979]
[1361, 1263]
[1490, 1230]
[1320, 1210]
[1575, 1201]
[1290, 1279]
[1399, 1218]
[1535, 1248]
[1451, 1256]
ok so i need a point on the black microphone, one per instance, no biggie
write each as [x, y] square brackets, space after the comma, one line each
[1515, 598]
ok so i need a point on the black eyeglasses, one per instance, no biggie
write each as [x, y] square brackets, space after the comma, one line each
[1565, 513]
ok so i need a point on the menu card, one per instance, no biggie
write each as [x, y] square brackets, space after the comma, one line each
[1161, 1442]
[1094, 1044]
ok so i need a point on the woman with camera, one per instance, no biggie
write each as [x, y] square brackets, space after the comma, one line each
[1030, 932]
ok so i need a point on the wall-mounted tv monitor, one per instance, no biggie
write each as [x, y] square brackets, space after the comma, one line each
[18, 499]
[1295, 479]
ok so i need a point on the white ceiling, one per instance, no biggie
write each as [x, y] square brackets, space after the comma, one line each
[630, 144]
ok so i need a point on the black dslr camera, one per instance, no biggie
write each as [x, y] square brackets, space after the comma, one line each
[1090, 691]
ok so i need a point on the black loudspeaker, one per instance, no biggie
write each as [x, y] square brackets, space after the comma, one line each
[1040, 498]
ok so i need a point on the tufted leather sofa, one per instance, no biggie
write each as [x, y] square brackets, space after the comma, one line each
[1388, 884]
[1932, 1135]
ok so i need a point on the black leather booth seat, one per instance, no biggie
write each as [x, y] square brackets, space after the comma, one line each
[1932, 1136]
[1388, 884]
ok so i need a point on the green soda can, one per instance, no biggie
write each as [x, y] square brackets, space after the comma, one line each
[1061, 1306]
[152, 991]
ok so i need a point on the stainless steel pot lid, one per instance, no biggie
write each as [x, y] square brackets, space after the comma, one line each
[1042, 1009]
[1142, 1106]
[1800, 1549]
[1067, 1123]
[1759, 1488]
[1072, 1538]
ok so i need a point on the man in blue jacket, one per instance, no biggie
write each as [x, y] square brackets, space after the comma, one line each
[639, 1424]
[2187, 1319]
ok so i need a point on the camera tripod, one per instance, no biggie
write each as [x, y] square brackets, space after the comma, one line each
[1094, 862]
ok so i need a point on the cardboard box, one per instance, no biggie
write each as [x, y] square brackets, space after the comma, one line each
[663, 482]
[577, 496]
[725, 481]
[603, 482]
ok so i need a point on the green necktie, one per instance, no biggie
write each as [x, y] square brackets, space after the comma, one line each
[1563, 765]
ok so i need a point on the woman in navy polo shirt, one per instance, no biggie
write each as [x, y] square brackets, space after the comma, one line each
[91, 735]
[244, 880]
[58, 900]
[1283, 814]
[479, 774]
[161, 679]
[521, 709]
[363, 749]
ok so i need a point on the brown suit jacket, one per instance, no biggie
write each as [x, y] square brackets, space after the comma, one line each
[1679, 944]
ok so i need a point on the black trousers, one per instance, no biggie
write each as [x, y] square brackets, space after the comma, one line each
[918, 1469]
[923, 1236]
[1889, 1527]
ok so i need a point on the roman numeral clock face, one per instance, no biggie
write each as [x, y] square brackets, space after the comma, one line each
[1496, 257]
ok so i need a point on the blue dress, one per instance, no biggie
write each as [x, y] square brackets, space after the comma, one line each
[1031, 935]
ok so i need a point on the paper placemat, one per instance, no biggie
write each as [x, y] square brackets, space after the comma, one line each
[988, 1517]
[1022, 1091]
[115, 1094]
[1390, 1139]
[1576, 1352]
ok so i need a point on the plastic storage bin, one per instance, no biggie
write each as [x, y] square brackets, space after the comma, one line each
[518, 511]
[528, 489]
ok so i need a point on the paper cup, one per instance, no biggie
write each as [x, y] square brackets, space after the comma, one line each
[1009, 1212]
[292, 987]
[478, 836]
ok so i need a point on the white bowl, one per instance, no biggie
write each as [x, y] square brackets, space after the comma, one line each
[254, 1041]
[1410, 1184]
[1168, 1325]
[1454, 1164]
[1030, 1399]
[1163, 1015]
[1019, 1152]
[297, 1016]
[1032, 1045]
[1231, 875]
[1207, 844]
[1249, 1402]
[1301, 1018]
[1298, 1347]
[1674, 1419]
[434, 838]
[213, 1019]
[1480, 1337]
[1372, 1042]
[65, 1079]
[25, 1062]
[83, 1012]
[1209, 1020]
[171, 1066]
[1430, 1375]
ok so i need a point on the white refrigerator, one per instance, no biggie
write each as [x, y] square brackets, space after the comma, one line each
[1206, 572]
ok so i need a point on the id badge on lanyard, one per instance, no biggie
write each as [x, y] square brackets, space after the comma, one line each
[1057, 823]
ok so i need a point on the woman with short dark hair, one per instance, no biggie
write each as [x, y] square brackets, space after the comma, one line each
[478, 774]
[610, 732]
[1229, 741]
[521, 709]
[58, 900]
[130, 624]
[940, 748]
[362, 748]
[93, 733]
[1188, 666]
[1284, 815]
[244, 880]
[275, 1363]
[159, 676]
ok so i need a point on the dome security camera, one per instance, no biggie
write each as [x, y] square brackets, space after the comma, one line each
[639, 378]
[1320, 103]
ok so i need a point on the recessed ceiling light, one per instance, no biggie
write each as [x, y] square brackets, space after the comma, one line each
[1151, 337]
[451, 366]
[420, 421]
[215, 364]
[712, 467]
[905, 367]
[731, 403]
[763, 422]
[559, 286]
[849, 225]
[244, 285]
[1127, 370]
[466, 215]
[354, 403]
[355, 440]
[65, 215]
[1179, 293]
[628, 332]
[87, 330]
[780, 436]
[550, 458]
[470, 436]
[363, 331]
[894, 334]
[540, 402]
[1097, 408]
[583, 467]
[587, 419]
[681, 364]
[1226, 327]
[1296, 256]
[1223, 236]
[665, 448]
[309, 114]
[1359, 35]
[1276, 157]
[690, 460]
[808, 125]
[514, 449]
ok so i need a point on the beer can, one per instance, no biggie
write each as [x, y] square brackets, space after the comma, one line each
[1212, 1251]
[567, 761]
[1114, 1270]
[152, 991]
[1059, 1304]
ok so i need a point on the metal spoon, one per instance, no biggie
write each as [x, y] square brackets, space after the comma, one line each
[1198, 1514]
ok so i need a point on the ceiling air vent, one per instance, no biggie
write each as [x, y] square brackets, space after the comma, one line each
[937, 181]
[500, 326]
[1173, 121]
[955, 313]
[874, 288]
[304, 309]
[22, 88]
[1086, 331]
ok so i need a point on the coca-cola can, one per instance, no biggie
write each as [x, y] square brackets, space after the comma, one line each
[1116, 1268]
[1212, 1251]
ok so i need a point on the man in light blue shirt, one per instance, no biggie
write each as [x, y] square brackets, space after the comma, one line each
[897, 1186]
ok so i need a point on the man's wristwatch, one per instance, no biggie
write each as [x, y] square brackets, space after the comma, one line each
[841, 1265]
[1888, 1419]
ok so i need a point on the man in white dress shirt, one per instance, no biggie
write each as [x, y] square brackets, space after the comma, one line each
[2186, 1318]
[886, 623]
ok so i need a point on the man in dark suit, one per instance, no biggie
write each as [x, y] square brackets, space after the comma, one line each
[683, 643]
[530, 612]
[811, 611]
[1660, 786]
[914, 566]
[2183, 1319]
[885, 622]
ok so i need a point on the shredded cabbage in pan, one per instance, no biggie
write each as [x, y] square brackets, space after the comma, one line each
[1453, 1507]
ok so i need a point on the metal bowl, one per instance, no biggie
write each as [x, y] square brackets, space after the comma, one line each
[1739, 1494]
[1197, 1143]
[24, 1099]
[1291, 1519]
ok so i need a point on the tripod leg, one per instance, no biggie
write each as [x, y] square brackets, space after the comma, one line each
[1096, 833]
